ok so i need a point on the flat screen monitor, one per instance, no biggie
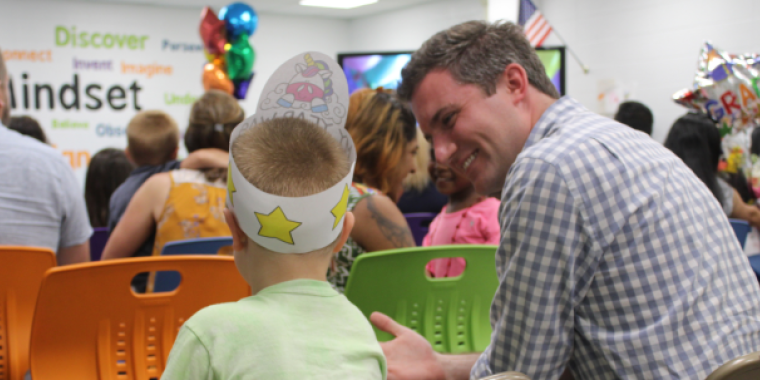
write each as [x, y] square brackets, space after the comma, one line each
[553, 59]
[372, 70]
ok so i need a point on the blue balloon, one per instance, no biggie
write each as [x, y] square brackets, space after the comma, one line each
[239, 18]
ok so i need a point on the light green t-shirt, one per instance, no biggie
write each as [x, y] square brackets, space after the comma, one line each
[301, 329]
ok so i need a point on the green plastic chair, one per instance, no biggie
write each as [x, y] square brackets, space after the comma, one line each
[451, 313]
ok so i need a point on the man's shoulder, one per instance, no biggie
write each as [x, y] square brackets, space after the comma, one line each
[31, 151]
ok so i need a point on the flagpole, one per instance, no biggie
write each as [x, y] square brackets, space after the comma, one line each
[584, 67]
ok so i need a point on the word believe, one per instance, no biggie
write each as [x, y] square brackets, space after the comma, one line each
[68, 124]
[66, 37]
[28, 55]
[70, 95]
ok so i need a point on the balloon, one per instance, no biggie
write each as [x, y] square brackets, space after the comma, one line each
[239, 18]
[241, 87]
[215, 78]
[240, 57]
[213, 32]
[726, 89]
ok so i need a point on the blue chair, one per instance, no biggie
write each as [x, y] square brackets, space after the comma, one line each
[168, 281]
[419, 224]
[98, 242]
[754, 261]
[741, 229]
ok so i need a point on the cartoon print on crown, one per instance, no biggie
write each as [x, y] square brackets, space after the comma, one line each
[303, 87]
[308, 93]
[311, 85]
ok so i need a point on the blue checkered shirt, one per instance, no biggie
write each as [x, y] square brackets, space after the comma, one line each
[615, 260]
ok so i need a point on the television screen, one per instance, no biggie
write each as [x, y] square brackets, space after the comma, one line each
[553, 59]
[372, 70]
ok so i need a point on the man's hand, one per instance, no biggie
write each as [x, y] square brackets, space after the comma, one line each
[409, 356]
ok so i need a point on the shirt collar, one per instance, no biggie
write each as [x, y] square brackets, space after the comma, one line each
[549, 121]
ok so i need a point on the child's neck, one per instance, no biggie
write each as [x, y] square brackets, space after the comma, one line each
[267, 269]
[463, 199]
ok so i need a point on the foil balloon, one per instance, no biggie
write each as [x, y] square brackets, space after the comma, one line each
[239, 19]
[213, 32]
[240, 57]
[214, 78]
[726, 89]
[241, 87]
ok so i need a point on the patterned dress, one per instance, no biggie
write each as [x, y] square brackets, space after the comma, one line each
[337, 273]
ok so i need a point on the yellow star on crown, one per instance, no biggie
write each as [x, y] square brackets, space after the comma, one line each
[276, 225]
[230, 185]
[340, 209]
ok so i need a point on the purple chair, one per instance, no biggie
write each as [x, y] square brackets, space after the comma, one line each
[98, 242]
[419, 223]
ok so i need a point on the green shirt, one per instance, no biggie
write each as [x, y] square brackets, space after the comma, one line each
[300, 329]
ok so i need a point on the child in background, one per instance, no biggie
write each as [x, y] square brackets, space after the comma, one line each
[295, 326]
[107, 171]
[468, 218]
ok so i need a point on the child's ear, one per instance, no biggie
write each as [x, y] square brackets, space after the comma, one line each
[129, 155]
[176, 152]
[239, 238]
[348, 225]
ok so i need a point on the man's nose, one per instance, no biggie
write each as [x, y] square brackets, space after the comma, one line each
[444, 149]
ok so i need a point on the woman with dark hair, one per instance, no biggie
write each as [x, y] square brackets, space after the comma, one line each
[695, 139]
[184, 203]
[107, 171]
[384, 133]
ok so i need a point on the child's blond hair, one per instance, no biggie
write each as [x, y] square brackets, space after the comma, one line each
[152, 137]
[291, 158]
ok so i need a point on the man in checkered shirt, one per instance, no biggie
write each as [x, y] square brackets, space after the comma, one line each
[615, 260]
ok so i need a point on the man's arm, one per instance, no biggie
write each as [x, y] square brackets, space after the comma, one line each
[74, 255]
[411, 357]
[205, 159]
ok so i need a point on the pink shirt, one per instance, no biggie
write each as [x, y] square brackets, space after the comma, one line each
[478, 224]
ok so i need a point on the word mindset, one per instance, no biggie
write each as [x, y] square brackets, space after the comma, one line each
[70, 95]
[97, 40]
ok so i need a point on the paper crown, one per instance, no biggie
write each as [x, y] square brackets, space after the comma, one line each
[309, 86]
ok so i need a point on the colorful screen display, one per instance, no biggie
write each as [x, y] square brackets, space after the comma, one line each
[554, 63]
[372, 70]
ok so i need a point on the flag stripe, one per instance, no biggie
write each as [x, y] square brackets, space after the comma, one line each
[535, 26]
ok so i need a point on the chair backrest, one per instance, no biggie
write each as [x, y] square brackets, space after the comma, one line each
[21, 273]
[741, 229]
[419, 223]
[98, 242]
[745, 367]
[89, 324]
[452, 313]
[166, 281]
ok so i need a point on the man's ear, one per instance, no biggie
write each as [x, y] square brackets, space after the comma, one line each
[348, 225]
[239, 238]
[515, 78]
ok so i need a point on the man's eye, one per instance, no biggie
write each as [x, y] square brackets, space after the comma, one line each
[447, 121]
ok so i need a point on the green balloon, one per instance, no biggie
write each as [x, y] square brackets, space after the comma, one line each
[240, 58]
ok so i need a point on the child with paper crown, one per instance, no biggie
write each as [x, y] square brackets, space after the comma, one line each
[290, 168]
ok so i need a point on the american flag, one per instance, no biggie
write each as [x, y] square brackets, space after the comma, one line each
[533, 22]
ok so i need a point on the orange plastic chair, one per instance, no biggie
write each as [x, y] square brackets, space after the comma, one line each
[21, 273]
[89, 324]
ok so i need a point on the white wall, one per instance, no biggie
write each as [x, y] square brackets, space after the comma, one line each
[649, 46]
[277, 39]
[407, 29]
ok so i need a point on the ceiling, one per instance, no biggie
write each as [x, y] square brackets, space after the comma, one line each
[284, 7]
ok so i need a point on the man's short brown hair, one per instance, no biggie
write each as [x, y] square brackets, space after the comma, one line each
[290, 157]
[476, 52]
[152, 138]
